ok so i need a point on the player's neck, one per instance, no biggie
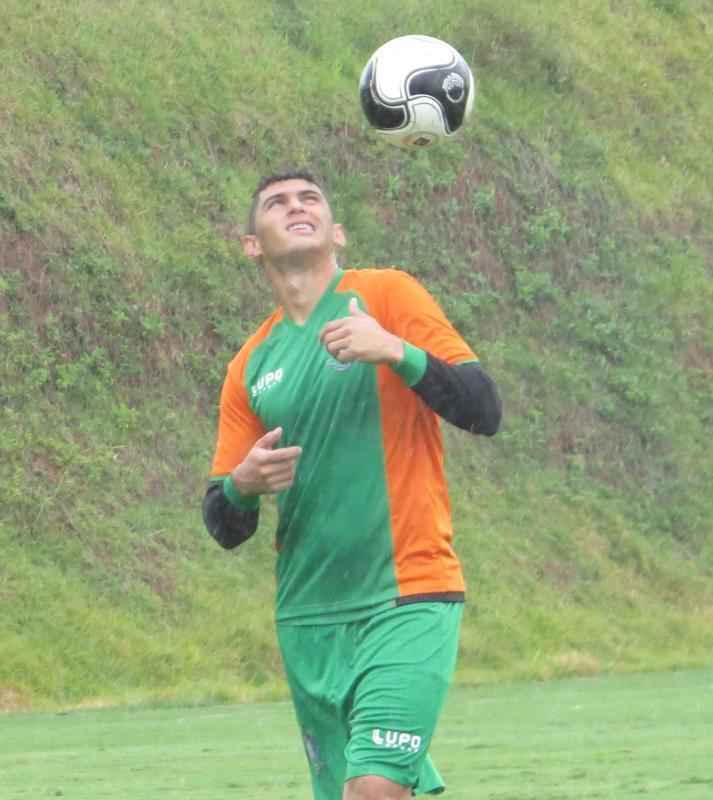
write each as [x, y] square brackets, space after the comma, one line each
[298, 288]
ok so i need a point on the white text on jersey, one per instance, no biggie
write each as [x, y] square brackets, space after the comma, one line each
[266, 381]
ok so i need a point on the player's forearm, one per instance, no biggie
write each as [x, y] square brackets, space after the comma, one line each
[463, 394]
[227, 523]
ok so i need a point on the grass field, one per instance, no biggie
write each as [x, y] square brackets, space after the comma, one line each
[615, 737]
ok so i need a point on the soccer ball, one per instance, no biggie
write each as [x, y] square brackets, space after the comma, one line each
[415, 90]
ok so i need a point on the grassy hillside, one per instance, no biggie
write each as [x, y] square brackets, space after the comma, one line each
[567, 233]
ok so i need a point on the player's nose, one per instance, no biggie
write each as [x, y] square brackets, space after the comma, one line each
[294, 203]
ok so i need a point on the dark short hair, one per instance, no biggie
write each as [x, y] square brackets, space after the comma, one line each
[278, 177]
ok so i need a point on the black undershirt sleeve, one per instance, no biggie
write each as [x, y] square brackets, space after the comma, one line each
[228, 525]
[463, 394]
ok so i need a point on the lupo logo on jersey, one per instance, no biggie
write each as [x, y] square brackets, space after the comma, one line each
[266, 381]
[396, 740]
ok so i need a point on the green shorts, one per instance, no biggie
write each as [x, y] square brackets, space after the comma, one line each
[368, 693]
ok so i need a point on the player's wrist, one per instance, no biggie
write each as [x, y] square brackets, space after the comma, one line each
[412, 364]
[238, 495]
[394, 350]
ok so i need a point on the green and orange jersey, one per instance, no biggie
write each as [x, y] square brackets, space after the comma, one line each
[367, 521]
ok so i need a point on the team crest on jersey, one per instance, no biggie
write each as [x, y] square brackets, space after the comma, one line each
[266, 381]
[338, 366]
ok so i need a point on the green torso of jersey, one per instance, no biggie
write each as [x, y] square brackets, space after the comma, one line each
[333, 538]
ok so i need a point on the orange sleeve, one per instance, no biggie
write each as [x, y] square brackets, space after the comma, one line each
[411, 313]
[238, 425]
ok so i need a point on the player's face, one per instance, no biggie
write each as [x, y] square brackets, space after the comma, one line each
[293, 221]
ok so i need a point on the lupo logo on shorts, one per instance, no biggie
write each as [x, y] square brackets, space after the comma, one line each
[395, 740]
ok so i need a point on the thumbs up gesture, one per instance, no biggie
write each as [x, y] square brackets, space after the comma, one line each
[360, 337]
[354, 309]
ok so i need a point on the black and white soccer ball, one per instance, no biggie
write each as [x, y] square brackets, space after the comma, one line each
[415, 90]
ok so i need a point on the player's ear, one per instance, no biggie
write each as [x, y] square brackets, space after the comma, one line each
[339, 236]
[251, 246]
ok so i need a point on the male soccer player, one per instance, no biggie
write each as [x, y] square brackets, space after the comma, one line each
[333, 404]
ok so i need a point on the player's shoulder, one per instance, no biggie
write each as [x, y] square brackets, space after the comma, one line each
[376, 274]
[377, 278]
[386, 291]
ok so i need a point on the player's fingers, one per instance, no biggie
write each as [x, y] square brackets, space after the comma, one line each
[334, 336]
[281, 479]
[280, 487]
[283, 473]
[278, 484]
[269, 440]
[336, 349]
[345, 355]
[278, 471]
[330, 327]
[282, 455]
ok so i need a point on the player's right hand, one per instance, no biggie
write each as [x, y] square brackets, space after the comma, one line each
[266, 470]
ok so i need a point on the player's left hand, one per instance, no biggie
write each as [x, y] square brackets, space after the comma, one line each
[360, 337]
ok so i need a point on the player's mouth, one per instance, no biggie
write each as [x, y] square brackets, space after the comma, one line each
[301, 227]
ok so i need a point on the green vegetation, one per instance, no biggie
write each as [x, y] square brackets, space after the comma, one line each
[615, 737]
[567, 233]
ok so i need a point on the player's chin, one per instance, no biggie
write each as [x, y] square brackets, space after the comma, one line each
[306, 247]
[299, 245]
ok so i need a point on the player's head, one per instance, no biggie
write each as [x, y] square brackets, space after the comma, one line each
[290, 220]
[279, 177]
